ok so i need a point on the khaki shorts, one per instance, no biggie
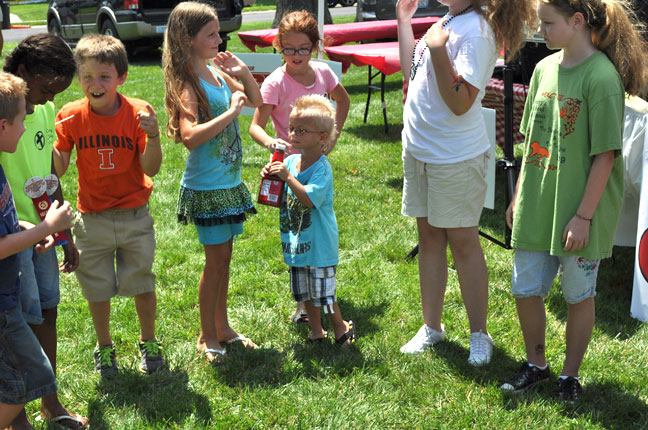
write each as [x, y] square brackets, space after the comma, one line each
[449, 195]
[116, 251]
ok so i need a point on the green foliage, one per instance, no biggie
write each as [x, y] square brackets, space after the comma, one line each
[287, 384]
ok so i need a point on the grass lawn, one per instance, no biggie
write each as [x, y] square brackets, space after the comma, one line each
[32, 14]
[286, 384]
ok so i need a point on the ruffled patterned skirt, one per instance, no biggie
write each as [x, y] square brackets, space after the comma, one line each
[215, 207]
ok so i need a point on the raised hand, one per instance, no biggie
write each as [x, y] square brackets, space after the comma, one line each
[148, 121]
[405, 9]
[230, 64]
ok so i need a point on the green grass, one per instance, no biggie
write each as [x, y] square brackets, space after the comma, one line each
[286, 384]
[261, 5]
[31, 14]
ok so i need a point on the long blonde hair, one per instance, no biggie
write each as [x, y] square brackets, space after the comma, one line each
[185, 22]
[509, 19]
[617, 32]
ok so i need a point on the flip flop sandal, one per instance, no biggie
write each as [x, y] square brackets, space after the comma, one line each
[317, 341]
[350, 335]
[79, 422]
[245, 341]
[218, 355]
[299, 319]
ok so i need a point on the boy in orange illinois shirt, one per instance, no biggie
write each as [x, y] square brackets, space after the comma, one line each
[117, 140]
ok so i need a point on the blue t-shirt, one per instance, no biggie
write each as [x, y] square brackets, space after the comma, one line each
[309, 236]
[216, 164]
[9, 283]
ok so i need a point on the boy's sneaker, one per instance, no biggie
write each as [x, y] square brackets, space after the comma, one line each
[151, 351]
[424, 338]
[481, 349]
[569, 389]
[525, 377]
[105, 363]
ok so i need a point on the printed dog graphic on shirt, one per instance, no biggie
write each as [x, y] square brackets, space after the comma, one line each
[539, 151]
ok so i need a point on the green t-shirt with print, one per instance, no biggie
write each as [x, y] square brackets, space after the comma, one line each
[33, 157]
[570, 115]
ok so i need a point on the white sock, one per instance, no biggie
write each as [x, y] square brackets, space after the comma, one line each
[539, 367]
[565, 377]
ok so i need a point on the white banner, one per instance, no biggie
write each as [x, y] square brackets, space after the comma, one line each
[639, 306]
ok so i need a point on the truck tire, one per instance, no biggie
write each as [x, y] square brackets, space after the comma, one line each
[108, 28]
[53, 27]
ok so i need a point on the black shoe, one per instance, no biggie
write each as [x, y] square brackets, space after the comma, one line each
[525, 377]
[151, 353]
[105, 363]
[569, 389]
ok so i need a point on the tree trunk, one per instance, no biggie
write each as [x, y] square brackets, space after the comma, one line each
[286, 6]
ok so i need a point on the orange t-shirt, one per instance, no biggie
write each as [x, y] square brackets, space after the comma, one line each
[108, 154]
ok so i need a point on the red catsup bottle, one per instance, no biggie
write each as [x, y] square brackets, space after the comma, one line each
[272, 188]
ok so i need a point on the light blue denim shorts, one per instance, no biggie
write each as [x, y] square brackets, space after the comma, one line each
[535, 271]
[25, 371]
[217, 234]
[39, 283]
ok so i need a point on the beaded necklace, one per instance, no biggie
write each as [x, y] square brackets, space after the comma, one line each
[417, 64]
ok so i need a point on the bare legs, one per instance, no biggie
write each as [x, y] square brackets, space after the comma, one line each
[145, 305]
[317, 332]
[433, 272]
[212, 297]
[580, 323]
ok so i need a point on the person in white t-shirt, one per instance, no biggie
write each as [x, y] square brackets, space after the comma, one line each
[445, 151]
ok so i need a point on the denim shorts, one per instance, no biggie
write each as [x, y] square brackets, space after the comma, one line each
[39, 283]
[217, 234]
[535, 271]
[25, 371]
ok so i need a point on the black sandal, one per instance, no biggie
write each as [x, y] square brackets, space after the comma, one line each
[350, 335]
[317, 341]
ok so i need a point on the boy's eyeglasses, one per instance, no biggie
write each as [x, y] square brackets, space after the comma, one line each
[301, 51]
[301, 131]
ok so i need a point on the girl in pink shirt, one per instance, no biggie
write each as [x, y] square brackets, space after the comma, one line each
[297, 38]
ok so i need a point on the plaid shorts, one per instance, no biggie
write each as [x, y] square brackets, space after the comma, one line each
[313, 283]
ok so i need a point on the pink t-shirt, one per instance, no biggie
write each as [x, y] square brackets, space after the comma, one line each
[281, 90]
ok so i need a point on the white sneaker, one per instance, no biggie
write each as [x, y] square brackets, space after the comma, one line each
[481, 348]
[424, 338]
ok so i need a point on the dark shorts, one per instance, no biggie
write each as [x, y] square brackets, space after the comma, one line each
[25, 371]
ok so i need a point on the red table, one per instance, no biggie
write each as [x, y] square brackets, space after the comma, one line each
[339, 34]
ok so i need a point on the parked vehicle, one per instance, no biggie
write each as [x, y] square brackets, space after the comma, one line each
[371, 10]
[135, 22]
[332, 3]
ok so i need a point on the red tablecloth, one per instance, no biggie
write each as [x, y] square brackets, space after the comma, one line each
[339, 34]
[382, 56]
[494, 99]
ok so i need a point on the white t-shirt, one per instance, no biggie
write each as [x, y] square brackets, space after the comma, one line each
[431, 132]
